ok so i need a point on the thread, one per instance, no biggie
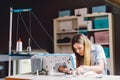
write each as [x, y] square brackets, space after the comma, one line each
[19, 45]
[29, 47]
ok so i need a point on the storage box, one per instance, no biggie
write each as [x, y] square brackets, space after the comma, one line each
[84, 31]
[99, 9]
[107, 53]
[81, 11]
[99, 23]
[65, 26]
[89, 25]
[101, 37]
[64, 13]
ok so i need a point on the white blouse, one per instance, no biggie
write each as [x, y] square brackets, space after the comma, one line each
[97, 55]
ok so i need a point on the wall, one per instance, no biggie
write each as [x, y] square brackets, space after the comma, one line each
[116, 12]
[45, 11]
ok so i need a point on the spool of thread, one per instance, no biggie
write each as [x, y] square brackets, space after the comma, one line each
[29, 47]
[19, 45]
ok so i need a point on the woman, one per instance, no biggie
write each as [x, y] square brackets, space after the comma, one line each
[89, 57]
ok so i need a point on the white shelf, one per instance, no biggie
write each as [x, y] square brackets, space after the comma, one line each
[96, 14]
[66, 18]
[103, 44]
[65, 32]
[63, 44]
[105, 29]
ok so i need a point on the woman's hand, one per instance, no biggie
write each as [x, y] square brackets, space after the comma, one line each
[64, 69]
[80, 70]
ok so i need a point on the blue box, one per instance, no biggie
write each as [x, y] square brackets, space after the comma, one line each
[107, 53]
[99, 9]
[64, 13]
[99, 23]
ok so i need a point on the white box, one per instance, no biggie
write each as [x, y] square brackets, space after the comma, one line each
[89, 25]
[80, 11]
[66, 26]
[24, 66]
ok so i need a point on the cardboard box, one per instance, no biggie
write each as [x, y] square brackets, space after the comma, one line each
[101, 37]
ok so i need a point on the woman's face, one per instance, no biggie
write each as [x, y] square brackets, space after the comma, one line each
[79, 48]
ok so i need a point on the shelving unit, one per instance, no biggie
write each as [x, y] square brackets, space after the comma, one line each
[61, 31]
[69, 26]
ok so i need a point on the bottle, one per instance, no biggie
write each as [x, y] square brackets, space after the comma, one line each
[19, 45]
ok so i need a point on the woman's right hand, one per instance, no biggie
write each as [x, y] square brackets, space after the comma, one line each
[64, 69]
